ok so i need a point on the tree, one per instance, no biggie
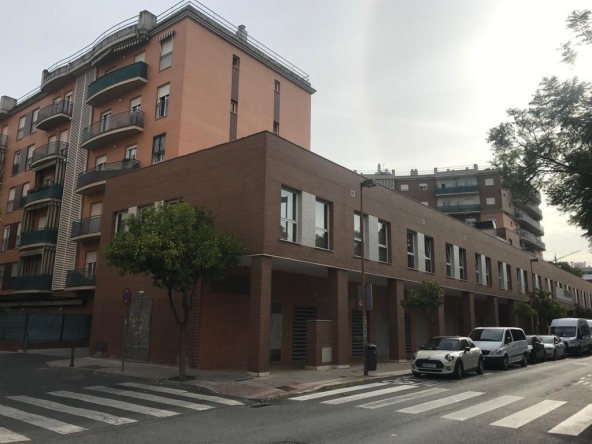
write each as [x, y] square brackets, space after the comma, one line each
[573, 270]
[177, 245]
[427, 298]
[523, 309]
[579, 23]
[546, 307]
[581, 312]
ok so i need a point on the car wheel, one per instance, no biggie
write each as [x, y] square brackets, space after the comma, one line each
[564, 353]
[480, 367]
[554, 355]
[524, 361]
[505, 363]
[590, 349]
[459, 371]
[534, 358]
[544, 356]
[579, 352]
[416, 374]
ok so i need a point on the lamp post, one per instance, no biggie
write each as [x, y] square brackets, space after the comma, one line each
[364, 184]
[534, 287]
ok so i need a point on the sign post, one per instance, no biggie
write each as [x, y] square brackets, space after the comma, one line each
[127, 299]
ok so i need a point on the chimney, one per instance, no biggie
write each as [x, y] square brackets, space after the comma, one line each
[435, 170]
[414, 172]
[242, 33]
[476, 167]
[379, 170]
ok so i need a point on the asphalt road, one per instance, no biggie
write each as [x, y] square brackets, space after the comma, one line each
[544, 403]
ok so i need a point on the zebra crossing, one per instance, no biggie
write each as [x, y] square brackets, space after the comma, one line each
[471, 404]
[17, 409]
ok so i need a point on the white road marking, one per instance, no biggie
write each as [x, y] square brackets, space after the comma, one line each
[91, 414]
[527, 415]
[576, 424]
[580, 363]
[337, 391]
[365, 395]
[479, 409]
[420, 408]
[40, 421]
[153, 398]
[115, 404]
[6, 436]
[402, 398]
[184, 393]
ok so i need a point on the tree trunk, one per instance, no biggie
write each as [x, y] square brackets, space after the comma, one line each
[182, 334]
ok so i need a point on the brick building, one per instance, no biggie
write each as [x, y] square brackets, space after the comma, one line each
[296, 214]
[149, 89]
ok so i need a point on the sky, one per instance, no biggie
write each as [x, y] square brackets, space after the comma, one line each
[404, 83]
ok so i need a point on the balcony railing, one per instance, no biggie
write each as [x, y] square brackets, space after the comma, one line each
[522, 216]
[46, 192]
[81, 278]
[112, 128]
[471, 208]
[86, 226]
[55, 114]
[458, 190]
[31, 282]
[43, 236]
[49, 151]
[532, 209]
[106, 171]
[117, 82]
[3, 140]
[531, 238]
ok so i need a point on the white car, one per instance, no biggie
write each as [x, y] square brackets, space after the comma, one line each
[452, 355]
[554, 347]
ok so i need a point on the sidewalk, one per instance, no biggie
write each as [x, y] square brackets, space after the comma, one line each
[283, 380]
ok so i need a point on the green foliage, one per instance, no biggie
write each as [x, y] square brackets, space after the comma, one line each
[573, 270]
[581, 312]
[427, 298]
[546, 307]
[579, 23]
[523, 309]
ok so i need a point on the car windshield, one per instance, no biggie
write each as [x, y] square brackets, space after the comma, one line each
[564, 332]
[487, 335]
[548, 339]
[443, 344]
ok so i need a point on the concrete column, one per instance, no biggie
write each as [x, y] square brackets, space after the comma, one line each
[492, 312]
[339, 314]
[259, 316]
[512, 318]
[438, 324]
[396, 313]
[468, 302]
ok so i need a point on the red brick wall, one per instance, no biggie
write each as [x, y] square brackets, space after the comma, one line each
[319, 335]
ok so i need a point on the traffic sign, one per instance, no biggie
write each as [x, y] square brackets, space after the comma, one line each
[127, 296]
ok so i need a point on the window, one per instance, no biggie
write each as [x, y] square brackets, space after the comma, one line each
[233, 107]
[136, 104]
[15, 269]
[100, 162]
[500, 273]
[446, 203]
[489, 182]
[21, 128]
[105, 124]
[235, 62]
[130, 152]
[18, 235]
[488, 271]
[429, 247]
[525, 280]
[490, 201]
[462, 261]
[411, 243]
[24, 192]
[29, 157]
[404, 187]
[518, 335]
[357, 236]
[519, 280]
[288, 224]
[16, 162]
[322, 225]
[471, 221]
[509, 277]
[120, 221]
[11, 196]
[158, 148]
[423, 186]
[90, 264]
[449, 260]
[276, 86]
[276, 127]
[140, 57]
[382, 241]
[162, 103]
[42, 222]
[166, 53]
[5, 238]
[478, 268]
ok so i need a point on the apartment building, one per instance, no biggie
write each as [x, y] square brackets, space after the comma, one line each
[473, 195]
[150, 89]
[298, 216]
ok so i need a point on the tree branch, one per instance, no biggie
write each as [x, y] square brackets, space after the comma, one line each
[170, 295]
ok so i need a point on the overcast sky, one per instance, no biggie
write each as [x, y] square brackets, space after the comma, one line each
[405, 83]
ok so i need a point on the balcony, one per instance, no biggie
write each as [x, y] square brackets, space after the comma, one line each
[38, 237]
[93, 180]
[533, 224]
[31, 283]
[48, 153]
[111, 129]
[83, 279]
[461, 189]
[451, 209]
[44, 194]
[530, 240]
[54, 115]
[86, 229]
[532, 209]
[3, 141]
[117, 83]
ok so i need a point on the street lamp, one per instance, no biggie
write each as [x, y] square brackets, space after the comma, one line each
[368, 183]
[534, 287]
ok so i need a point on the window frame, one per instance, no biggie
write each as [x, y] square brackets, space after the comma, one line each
[428, 243]
[462, 263]
[488, 280]
[478, 261]
[404, 187]
[326, 228]
[234, 107]
[276, 127]
[120, 221]
[412, 249]
[449, 260]
[509, 277]
[292, 223]
[162, 101]
[423, 187]
[162, 63]
[383, 246]
[276, 86]
[158, 156]
[490, 201]
[235, 61]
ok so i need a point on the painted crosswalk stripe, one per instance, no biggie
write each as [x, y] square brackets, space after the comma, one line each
[40, 421]
[149, 397]
[403, 398]
[128, 406]
[527, 415]
[371, 394]
[184, 393]
[575, 424]
[6, 436]
[426, 406]
[90, 414]
[337, 391]
[479, 409]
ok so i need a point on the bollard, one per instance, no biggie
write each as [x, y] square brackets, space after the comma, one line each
[72, 357]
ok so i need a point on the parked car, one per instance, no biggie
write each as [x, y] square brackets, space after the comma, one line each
[536, 349]
[554, 347]
[575, 333]
[454, 355]
[501, 346]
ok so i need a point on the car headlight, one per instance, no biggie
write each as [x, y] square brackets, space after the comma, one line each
[414, 356]
[449, 357]
[496, 352]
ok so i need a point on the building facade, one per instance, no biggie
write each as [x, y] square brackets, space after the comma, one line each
[473, 195]
[148, 90]
[297, 214]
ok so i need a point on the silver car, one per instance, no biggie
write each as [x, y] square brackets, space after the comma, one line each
[554, 347]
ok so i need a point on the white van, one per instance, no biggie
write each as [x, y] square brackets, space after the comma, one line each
[501, 345]
[575, 333]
